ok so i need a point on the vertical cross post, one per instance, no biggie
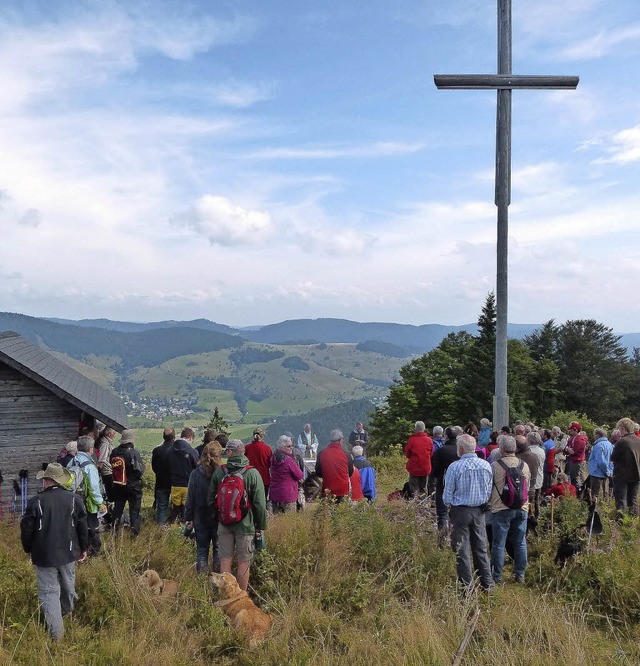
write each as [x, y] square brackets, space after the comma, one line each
[504, 82]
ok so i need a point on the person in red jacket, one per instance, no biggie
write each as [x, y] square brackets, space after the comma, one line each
[562, 489]
[259, 455]
[356, 487]
[576, 450]
[335, 468]
[419, 449]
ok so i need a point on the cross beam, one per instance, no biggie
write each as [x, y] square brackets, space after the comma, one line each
[503, 82]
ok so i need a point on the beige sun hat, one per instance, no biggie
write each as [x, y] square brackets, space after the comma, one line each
[55, 472]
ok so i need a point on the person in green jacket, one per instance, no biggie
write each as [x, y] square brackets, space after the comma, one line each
[239, 538]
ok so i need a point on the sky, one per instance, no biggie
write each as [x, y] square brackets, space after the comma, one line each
[250, 162]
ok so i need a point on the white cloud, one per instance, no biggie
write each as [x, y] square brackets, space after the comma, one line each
[378, 149]
[31, 218]
[625, 148]
[602, 43]
[224, 223]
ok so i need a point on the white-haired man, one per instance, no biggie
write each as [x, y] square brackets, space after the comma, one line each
[467, 488]
[509, 520]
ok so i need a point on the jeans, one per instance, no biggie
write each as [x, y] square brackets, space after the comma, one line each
[162, 496]
[57, 595]
[626, 495]
[469, 533]
[509, 524]
[205, 537]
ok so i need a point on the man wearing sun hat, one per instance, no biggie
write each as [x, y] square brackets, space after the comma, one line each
[54, 532]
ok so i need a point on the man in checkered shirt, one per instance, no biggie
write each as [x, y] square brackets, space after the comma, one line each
[467, 488]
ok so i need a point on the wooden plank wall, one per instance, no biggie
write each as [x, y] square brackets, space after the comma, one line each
[34, 425]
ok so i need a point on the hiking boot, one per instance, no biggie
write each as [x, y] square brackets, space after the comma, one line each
[519, 578]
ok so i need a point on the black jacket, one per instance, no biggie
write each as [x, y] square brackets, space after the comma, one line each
[183, 460]
[197, 508]
[133, 465]
[626, 459]
[54, 527]
[441, 460]
[161, 465]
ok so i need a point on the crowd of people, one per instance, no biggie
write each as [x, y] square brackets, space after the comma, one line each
[221, 492]
[486, 484]
[489, 484]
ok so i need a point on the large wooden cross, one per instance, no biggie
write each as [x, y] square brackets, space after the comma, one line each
[503, 82]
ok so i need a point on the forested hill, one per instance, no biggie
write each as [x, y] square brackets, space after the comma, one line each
[147, 348]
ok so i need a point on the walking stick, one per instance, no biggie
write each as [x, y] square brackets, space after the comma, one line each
[593, 517]
[24, 489]
[552, 499]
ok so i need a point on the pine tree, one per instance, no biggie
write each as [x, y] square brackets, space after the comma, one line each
[218, 423]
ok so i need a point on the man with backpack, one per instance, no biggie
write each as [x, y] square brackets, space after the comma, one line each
[237, 499]
[509, 509]
[128, 468]
[86, 482]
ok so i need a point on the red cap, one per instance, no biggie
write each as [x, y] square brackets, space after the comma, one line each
[574, 425]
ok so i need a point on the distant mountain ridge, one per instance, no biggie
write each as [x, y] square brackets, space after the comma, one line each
[413, 339]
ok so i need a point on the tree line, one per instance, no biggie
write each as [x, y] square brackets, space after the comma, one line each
[579, 366]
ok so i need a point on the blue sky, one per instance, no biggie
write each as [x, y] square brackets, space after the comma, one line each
[250, 162]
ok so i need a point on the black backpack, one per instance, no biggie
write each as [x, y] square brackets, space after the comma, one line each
[515, 492]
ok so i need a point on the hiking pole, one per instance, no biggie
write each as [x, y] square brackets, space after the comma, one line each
[593, 517]
[24, 489]
[14, 502]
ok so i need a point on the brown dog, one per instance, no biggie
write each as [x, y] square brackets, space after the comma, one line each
[243, 614]
[151, 581]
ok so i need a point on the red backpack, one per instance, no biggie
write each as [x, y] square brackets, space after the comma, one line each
[232, 499]
[119, 468]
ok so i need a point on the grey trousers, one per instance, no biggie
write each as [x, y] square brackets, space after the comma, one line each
[418, 484]
[469, 538]
[57, 595]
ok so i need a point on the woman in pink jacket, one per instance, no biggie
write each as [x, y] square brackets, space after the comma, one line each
[285, 477]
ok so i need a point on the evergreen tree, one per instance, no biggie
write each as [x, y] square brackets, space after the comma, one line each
[477, 384]
[218, 423]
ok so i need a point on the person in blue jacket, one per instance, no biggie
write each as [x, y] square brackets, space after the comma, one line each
[600, 466]
[367, 473]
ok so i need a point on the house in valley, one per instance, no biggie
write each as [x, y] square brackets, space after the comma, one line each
[43, 404]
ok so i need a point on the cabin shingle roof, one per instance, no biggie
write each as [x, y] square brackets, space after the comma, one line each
[63, 380]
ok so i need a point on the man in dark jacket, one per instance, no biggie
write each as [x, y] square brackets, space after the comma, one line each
[54, 531]
[127, 468]
[161, 466]
[183, 459]
[440, 462]
[335, 468]
[626, 468]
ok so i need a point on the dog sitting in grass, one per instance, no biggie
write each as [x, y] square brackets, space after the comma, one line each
[150, 580]
[243, 614]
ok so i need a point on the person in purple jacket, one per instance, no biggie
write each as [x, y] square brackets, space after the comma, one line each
[285, 477]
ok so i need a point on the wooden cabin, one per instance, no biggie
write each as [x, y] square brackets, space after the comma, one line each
[43, 403]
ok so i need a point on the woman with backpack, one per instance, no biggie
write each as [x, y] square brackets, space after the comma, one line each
[197, 512]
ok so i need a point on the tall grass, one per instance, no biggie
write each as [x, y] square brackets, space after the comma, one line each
[367, 585]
